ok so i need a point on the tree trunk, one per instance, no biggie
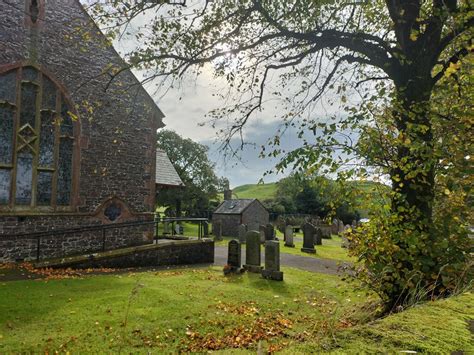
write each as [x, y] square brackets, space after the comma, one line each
[413, 178]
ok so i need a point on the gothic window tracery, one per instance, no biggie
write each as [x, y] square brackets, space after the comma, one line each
[36, 141]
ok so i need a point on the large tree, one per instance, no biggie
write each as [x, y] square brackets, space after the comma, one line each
[393, 52]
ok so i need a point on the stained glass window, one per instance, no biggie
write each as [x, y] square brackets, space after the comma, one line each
[8, 86]
[4, 186]
[66, 122]
[49, 95]
[6, 134]
[65, 171]
[24, 176]
[30, 74]
[36, 168]
[28, 104]
[47, 136]
[45, 188]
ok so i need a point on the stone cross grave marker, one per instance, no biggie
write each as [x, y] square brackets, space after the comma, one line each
[318, 236]
[269, 232]
[234, 256]
[272, 261]
[217, 230]
[252, 252]
[242, 232]
[308, 238]
[289, 237]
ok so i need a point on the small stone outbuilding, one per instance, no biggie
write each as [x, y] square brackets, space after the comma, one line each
[232, 213]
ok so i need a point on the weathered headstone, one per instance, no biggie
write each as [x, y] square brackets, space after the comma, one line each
[289, 237]
[344, 241]
[205, 228]
[340, 227]
[325, 231]
[335, 226]
[217, 230]
[252, 252]
[178, 229]
[269, 232]
[166, 228]
[308, 239]
[242, 232]
[272, 261]
[234, 257]
[262, 230]
[318, 236]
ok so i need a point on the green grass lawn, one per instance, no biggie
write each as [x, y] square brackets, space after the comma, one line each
[201, 310]
[331, 248]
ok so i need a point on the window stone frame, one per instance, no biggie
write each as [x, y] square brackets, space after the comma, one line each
[34, 208]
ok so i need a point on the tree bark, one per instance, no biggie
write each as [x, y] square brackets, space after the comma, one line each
[413, 177]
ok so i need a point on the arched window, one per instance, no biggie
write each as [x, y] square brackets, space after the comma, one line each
[37, 133]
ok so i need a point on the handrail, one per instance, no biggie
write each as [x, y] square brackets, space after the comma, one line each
[79, 229]
[101, 228]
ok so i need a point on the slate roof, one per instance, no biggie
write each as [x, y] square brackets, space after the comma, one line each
[166, 175]
[234, 206]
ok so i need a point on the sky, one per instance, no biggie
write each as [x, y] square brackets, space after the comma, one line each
[185, 108]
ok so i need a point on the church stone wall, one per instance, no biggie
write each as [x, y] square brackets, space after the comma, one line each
[117, 121]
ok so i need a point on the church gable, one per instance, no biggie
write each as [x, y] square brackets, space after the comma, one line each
[71, 139]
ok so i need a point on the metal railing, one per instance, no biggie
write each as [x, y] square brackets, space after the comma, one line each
[102, 233]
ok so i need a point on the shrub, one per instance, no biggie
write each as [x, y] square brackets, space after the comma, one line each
[396, 260]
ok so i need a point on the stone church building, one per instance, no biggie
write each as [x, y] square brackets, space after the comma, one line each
[76, 148]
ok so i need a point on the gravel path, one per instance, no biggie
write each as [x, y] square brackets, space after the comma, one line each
[324, 266]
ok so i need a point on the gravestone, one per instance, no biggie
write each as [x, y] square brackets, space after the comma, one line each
[308, 239]
[340, 227]
[217, 230]
[344, 242]
[289, 237]
[269, 232]
[335, 226]
[242, 232]
[272, 261]
[166, 228]
[234, 256]
[318, 236]
[205, 228]
[178, 229]
[252, 252]
[262, 229]
[325, 231]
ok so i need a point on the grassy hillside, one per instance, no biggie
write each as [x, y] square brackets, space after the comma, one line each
[259, 191]
[370, 192]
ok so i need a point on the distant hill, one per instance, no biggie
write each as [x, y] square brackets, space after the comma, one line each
[370, 192]
[258, 191]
